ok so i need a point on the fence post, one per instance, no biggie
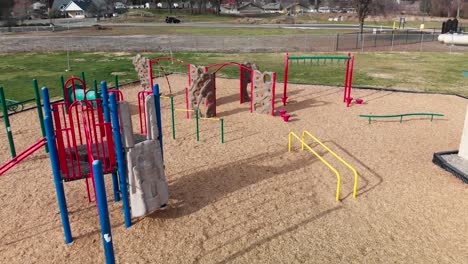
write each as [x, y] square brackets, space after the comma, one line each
[362, 42]
[337, 41]
[422, 39]
[39, 110]
[407, 31]
[393, 39]
[357, 40]
[7, 123]
[375, 40]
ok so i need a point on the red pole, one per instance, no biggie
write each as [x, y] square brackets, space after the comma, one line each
[350, 82]
[286, 68]
[273, 91]
[346, 80]
[150, 71]
[215, 100]
[187, 103]
[189, 76]
[241, 94]
[139, 113]
[252, 90]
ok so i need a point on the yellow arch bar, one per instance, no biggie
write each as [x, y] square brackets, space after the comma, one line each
[305, 132]
[303, 144]
[184, 110]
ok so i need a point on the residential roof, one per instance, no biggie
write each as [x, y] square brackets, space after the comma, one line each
[296, 4]
[272, 6]
[247, 5]
[83, 4]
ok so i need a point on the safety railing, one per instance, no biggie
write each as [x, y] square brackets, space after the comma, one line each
[306, 133]
[303, 144]
[23, 155]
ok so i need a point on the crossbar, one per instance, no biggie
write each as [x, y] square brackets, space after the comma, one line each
[303, 144]
[401, 116]
[319, 57]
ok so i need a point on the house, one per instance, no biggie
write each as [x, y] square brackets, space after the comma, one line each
[273, 8]
[250, 8]
[82, 8]
[77, 8]
[296, 8]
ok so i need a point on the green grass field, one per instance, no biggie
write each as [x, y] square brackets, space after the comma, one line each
[428, 71]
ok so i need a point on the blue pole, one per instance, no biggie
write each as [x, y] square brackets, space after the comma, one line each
[121, 165]
[157, 104]
[103, 212]
[107, 119]
[105, 101]
[53, 154]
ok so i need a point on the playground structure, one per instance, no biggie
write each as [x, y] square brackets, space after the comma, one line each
[84, 138]
[202, 84]
[302, 140]
[348, 83]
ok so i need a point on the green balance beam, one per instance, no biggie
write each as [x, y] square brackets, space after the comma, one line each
[400, 116]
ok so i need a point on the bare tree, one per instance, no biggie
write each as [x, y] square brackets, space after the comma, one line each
[363, 8]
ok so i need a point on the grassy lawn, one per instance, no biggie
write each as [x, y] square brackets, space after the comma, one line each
[426, 71]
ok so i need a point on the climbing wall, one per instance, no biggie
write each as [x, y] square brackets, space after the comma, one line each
[141, 67]
[148, 188]
[201, 95]
[262, 93]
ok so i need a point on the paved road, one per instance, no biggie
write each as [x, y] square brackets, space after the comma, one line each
[86, 22]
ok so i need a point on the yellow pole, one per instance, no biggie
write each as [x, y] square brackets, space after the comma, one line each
[338, 176]
[305, 132]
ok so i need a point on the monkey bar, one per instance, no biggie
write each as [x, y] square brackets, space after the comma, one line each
[349, 60]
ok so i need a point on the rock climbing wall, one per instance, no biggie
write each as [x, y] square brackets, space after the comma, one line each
[201, 94]
[141, 67]
[262, 93]
[148, 188]
[246, 79]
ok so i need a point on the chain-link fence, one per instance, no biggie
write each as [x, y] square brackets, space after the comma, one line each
[403, 41]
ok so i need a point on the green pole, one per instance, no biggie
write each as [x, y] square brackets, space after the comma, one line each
[96, 91]
[7, 123]
[39, 110]
[172, 115]
[62, 82]
[198, 130]
[116, 81]
[83, 77]
[222, 130]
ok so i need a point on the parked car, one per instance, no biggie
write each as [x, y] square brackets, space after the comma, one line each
[172, 20]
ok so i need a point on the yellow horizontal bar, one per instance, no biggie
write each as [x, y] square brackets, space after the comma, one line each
[210, 118]
[338, 184]
[166, 97]
[305, 132]
[184, 110]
